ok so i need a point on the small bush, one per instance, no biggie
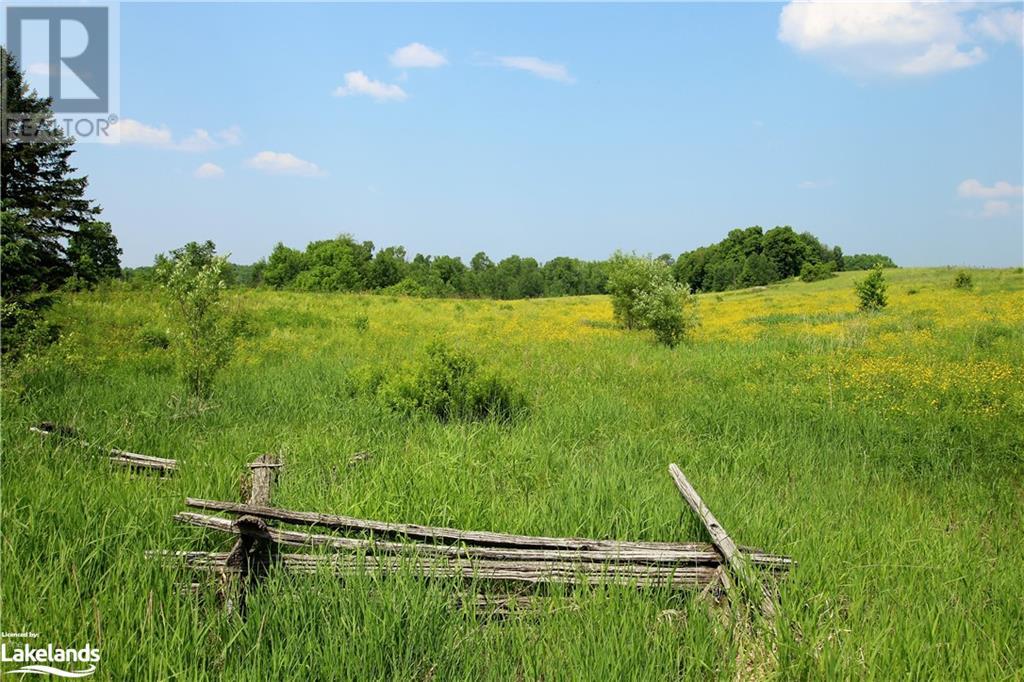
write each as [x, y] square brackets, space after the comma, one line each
[151, 338]
[361, 323]
[645, 295]
[815, 272]
[669, 310]
[963, 280]
[193, 278]
[447, 384]
[871, 290]
[23, 327]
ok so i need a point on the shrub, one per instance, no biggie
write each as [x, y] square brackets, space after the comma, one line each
[151, 338]
[963, 280]
[449, 385]
[194, 278]
[365, 380]
[815, 272]
[871, 290]
[669, 310]
[646, 296]
[630, 278]
[23, 326]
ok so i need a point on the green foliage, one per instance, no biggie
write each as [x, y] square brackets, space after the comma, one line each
[283, 266]
[669, 310]
[753, 257]
[447, 384]
[815, 272]
[866, 261]
[361, 323]
[24, 328]
[340, 264]
[631, 278]
[963, 280]
[871, 290]
[193, 278]
[645, 296]
[150, 338]
[93, 253]
[48, 232]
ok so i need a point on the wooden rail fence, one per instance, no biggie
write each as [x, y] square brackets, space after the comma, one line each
[347, 545]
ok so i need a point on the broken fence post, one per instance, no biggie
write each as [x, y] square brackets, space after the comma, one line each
[732, 555]
[254, 550]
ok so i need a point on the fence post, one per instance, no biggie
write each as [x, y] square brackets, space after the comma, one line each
[254, 551]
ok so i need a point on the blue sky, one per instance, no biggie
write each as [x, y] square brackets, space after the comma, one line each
[574, 129]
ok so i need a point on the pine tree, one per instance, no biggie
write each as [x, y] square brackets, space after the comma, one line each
[44, 201]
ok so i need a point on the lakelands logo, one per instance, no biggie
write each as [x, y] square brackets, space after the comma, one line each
[70, 662]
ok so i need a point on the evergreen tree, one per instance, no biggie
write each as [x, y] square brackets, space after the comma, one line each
[44, 201]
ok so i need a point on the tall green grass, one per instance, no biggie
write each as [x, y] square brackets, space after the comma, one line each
[905, 516]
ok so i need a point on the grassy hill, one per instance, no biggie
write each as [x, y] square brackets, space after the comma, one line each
[884, 452]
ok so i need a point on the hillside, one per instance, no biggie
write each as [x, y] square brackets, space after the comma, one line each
[882, 451]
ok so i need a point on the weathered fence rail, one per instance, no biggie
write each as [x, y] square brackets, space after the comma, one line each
[123, 458]
[348, 545]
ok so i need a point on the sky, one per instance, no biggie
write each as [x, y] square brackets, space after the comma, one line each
[572, 129]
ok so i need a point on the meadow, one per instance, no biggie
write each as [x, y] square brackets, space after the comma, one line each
[883, 451]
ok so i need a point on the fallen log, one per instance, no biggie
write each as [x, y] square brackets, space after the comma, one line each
[671, 551]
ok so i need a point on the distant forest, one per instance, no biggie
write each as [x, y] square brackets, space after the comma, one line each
[746, 257]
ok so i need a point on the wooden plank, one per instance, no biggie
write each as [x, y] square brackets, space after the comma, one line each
[120, 457]
[735, 559]
[701, 554]
[530, 572]
[456, 536]
[264, 471]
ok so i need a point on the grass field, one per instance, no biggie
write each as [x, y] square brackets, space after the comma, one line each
[884, 452]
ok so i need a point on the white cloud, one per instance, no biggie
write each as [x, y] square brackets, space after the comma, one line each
[538, 67]
[198, 141]
[357, 83]
[231, 135]
[417, 56]
[128, 131]
[897, 38]
[283, 163]
[973, 189]
[38, 69]
[815, 184]
[209, 171]
[995, 209]
[942, 57]
[1001, 25]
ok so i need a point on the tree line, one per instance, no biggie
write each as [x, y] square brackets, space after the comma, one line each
[746, 257]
